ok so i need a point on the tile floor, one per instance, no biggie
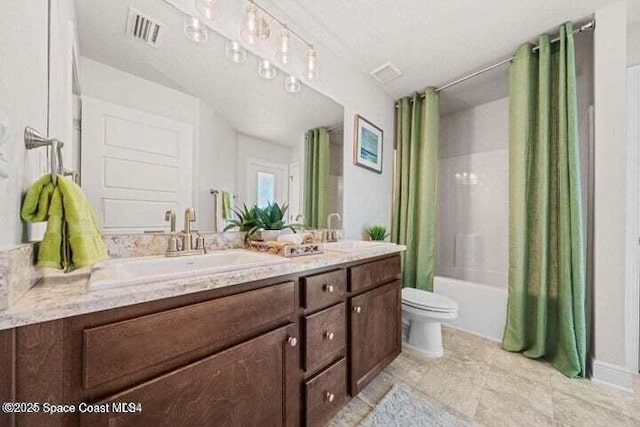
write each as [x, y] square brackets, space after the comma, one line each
[481, 382]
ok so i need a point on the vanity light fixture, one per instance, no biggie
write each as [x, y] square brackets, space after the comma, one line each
[266, 70]
[249, 31]
[208, 8]
[195, 30]
[283, 46]
[235, 52]
[292, 84]
[312, 64]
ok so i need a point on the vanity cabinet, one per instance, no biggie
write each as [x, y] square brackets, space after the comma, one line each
[282, 351]
[376, 333]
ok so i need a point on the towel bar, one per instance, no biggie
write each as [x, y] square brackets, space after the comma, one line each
[34, 139]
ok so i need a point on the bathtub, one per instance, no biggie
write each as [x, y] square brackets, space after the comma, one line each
[482, 308]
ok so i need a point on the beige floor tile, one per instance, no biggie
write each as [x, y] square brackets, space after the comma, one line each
[407, 368]
[519, 365]
[351, 415]
[599, 394]
[377, 388]
[531, 397]
[569, 410]
[501, 408]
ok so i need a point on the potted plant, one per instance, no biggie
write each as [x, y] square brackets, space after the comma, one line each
[261, 223]
[377, 232]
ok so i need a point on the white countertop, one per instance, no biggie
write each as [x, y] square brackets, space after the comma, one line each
[65, 296]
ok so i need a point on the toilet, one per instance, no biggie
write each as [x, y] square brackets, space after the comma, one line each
[423, 311]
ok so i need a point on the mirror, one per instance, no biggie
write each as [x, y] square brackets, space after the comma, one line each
[161, 122]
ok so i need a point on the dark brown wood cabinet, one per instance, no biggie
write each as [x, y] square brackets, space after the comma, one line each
[376, 328]
[284, 351]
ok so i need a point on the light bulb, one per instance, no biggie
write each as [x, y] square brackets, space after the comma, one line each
[292, 84]
[283, 46]
[266, 70]
[195, 30]
[312, 64]
[264, 30]
[235, 52]
[249, 31]
[208, 8]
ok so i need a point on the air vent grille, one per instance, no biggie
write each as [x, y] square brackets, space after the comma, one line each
[143, 28]
[386, 73]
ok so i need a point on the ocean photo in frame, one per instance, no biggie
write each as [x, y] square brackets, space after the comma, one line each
[367, 151]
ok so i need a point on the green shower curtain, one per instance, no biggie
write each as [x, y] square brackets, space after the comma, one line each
[546, 308]
[316, 182]
[416, 174]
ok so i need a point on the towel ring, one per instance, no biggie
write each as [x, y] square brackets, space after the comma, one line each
[34, 139]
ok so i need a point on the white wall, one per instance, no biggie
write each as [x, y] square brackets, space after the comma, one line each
[23, 99]
[118, 87]
[254, 148]
[473, 195]
[215, 167]
[63, 42]
[633, 45]
[610, 61]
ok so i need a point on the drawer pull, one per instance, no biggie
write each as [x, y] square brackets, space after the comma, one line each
[329, 397]
[329, 288]
[293, 341]
[329, 335]
[357, 309]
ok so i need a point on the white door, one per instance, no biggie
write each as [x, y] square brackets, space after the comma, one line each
[135, 166]
[294, 191]
[266, 182]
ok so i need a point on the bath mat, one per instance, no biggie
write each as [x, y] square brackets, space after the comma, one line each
[402, 408]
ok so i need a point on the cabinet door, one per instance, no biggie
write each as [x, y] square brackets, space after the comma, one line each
[375, 320]
[246, 385]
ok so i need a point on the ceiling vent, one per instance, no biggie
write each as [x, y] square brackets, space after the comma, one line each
[386, 73]
[143, 28]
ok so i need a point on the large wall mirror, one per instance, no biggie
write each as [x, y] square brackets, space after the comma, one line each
[171, 125]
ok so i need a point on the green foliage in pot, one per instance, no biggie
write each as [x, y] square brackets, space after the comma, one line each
[377, 232]
[252, 219]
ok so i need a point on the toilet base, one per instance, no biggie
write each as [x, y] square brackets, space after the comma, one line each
[425, 337]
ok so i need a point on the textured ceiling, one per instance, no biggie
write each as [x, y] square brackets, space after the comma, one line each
[251, 105]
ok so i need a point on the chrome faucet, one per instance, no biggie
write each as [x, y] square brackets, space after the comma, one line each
[332, 233]
[187, 247]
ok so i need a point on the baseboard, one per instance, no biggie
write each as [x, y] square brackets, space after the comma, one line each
[613, 375]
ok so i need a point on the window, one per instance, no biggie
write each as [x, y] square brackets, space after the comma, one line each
[266, 189]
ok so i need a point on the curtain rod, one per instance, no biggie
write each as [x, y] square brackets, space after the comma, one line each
[588, 26]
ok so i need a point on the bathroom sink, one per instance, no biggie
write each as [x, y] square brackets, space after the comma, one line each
[133, 271]
[351, 245]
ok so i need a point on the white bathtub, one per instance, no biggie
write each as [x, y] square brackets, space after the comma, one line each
[482, 308]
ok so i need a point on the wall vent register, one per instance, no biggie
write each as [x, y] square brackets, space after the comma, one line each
[143, 28]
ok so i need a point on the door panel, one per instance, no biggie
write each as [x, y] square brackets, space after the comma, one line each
[243, 386]
[375, 333]
[135, 165]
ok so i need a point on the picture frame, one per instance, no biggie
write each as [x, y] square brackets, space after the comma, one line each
[367, 144]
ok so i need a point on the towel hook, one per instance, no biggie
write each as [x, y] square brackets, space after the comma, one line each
[34, 139]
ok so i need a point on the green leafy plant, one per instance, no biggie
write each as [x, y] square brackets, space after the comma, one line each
[252, 219]
[377, 232]
[248, 220]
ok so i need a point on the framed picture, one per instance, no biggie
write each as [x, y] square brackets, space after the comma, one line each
[367, 147]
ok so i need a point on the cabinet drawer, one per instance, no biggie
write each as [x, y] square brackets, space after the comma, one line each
[242, 386]
[324, 289]
[326, 394]
[115, 350]
[374, 273]
[325, 337]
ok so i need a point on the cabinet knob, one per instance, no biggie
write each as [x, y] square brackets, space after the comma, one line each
[329, 288]
[329, 335]
[357, 309]
[293, 341]
[329, 396]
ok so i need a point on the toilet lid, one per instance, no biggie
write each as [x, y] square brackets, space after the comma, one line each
[424, 299]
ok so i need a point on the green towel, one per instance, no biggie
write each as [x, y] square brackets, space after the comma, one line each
[73, 237]
[226, 206]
